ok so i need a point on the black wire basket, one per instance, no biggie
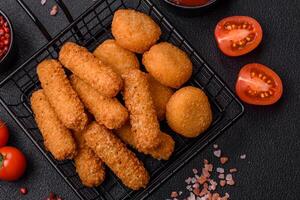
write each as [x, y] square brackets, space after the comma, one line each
[89, 30]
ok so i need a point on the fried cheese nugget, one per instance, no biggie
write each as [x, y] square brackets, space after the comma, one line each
[61, 95]
[57, 138]
[134, 30]
[163, 151]
[141, 109]
[107, 111]
[160, 95]
[89, 167]
[116, 156]
[189, 112]
[168, 64]
[118, 58]
[90, 69]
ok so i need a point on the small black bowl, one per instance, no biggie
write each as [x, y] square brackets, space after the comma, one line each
[7, 58]
[208, 4]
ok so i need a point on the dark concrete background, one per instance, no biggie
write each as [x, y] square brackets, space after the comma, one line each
[268, 135]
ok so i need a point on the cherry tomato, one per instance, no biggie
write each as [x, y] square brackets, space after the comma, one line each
[12, 163]
[191, 2]
[4, 135]
[258, 85]
[238, 35]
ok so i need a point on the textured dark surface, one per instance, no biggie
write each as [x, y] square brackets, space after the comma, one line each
[268, 135]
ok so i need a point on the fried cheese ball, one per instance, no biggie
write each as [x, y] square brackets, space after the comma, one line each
[116, 156]
[134, 30]
[162, 152]
[168, 64]
[90, 69]
[118, 58]
[107, 111]
[189, 112]
[160, 95]
[142, 114]
[89, 167]
[61, 95]
[58, 139]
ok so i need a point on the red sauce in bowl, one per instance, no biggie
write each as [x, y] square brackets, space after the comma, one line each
[5, 35]
[190, 2]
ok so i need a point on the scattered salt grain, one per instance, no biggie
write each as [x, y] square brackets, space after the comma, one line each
[220, 170]
[221, 176]
[215, 146]
[192, 196]
[228, 177]
[197, 176]
[43, 2]
[223, 160]
[54, 10]
[230, 182]
[232, 170]
[243, 156]
[188, 180]
[174, 194]
[189, 188]
[195, 171]
[217, 153]
[227, 195]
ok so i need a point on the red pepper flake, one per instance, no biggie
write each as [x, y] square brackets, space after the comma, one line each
[174, 194]
[232, 170]
[222, 183]
[202, 180]
[196, 191]
[23, 190]
[54, 10]
[205, 161]
[223, 160]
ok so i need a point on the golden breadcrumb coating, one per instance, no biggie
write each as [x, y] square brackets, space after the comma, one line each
[61, 95]
[116, 156]
[188, 112]
[57, 138]
[90, 69]
[107, 111]
[134, 30]
[160, 95]
[89, 167]
[116, 57]
[168, 64]
[141, 109]
[163, 151]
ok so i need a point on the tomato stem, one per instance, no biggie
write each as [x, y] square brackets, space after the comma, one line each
[1, 160]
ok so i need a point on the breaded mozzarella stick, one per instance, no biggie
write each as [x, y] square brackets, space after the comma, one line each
[107, 111]
[90, 69]
[57, 138]
[141, 109]
[116, 156]
[61, 95]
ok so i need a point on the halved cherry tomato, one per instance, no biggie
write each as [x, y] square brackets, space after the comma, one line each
[191, 2]
[4, 134]
[12, 163]
[258, 85]
[238, 35]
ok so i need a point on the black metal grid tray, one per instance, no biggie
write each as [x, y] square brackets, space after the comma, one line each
[89, 30]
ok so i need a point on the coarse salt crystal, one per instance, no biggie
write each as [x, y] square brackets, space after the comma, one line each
[174, 194]
[43, 2]
[221, 176]
[215, 146]
[197, 176]
[232, 170]
[230, 182]
[192, 196]
[195, 171]
[189, 187]
[227, 195]
[196, 185]
[228, 177]
[220, 170]
[188, 180]
[180, 193]
[243, 156]
[217, 153]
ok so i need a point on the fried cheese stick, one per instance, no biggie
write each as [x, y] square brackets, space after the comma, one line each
[57, 138]
[116, 156]
[90, 69]
[162, 152]
[107, 111]
[89, 167]
[141, 109]
[61, 95]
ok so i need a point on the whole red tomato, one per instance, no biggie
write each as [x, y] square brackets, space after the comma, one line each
[4, 135]
[12, 163]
